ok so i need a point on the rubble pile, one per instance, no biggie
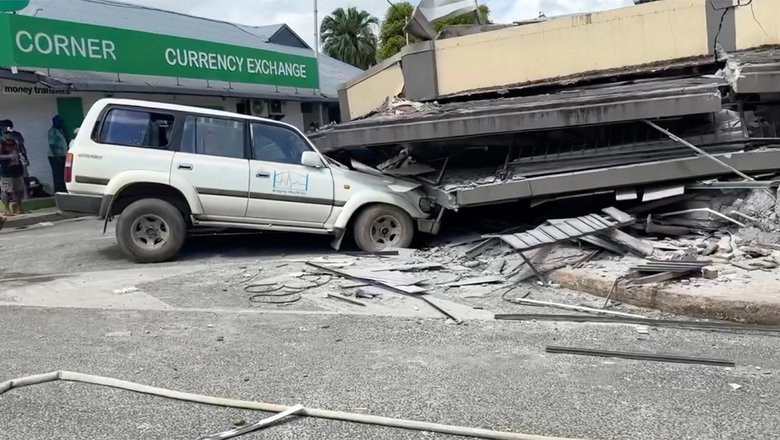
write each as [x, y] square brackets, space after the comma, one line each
[699, 240]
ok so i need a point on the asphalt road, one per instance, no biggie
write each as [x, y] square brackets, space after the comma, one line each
[488, 374]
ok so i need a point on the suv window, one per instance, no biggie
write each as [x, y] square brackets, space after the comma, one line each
[272, 143]
[136, 128]
[213, 137]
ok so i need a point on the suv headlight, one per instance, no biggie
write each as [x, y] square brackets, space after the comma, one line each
[426, 205]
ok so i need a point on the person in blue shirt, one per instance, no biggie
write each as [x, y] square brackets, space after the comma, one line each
[58, 149]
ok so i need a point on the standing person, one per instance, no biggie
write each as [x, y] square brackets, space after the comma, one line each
[58, 149]
[11, 173]
[20, 140]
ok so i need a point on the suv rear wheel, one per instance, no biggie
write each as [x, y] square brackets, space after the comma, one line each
[382, 227]
[151, 231]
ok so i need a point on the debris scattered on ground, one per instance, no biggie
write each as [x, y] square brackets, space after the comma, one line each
[475, 281]
[570, 307]
[345, 299]
[735, 386]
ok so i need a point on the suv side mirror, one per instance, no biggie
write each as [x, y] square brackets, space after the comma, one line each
[311, 159]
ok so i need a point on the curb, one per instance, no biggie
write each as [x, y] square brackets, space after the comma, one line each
[30, 220]
[666, 299]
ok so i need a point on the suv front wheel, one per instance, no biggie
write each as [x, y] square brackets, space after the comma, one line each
[151, 231]
[382, 227]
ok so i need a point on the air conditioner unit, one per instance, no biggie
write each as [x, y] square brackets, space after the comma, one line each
[257, 107]
[276, 107]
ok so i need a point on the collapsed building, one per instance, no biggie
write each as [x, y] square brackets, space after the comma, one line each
[623, 101]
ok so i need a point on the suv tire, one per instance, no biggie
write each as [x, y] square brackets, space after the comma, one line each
[382, 227]
[151, 231]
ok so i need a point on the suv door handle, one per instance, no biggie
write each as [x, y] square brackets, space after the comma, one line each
[263, 174]
[185, 166]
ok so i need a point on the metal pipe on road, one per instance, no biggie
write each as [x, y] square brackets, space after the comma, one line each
[268, 407]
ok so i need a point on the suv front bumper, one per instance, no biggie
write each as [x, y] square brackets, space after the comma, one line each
[79, 203]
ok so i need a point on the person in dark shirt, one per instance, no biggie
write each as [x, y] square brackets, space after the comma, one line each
[11, 173]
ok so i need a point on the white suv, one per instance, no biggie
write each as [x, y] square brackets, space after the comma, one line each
[165, 168]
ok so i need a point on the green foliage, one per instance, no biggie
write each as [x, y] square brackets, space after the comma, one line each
[392, 37]
[348, 36]
[484, 15]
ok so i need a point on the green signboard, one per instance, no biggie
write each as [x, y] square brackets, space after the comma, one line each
[13, 5]
[37, 42]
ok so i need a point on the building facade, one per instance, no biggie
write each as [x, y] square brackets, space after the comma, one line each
[60, 57]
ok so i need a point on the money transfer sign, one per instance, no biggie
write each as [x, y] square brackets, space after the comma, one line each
[38, 42]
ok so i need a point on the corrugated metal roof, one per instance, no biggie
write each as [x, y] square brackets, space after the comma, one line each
[141, 18]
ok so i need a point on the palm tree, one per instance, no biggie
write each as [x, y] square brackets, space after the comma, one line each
[348, 36]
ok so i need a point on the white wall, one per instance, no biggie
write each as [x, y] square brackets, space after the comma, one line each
[293, 115]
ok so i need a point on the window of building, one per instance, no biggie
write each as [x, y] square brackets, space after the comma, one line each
[213, 136]
[272, 143]
[136, 128]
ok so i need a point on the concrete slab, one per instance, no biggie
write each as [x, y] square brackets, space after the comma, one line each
[600, 104]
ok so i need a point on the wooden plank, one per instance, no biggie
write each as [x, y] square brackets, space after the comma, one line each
[554, 232]
[592, 223]
[606, 220]
[580, 226]
[618, 215]
[595, 241]
[540, 236]
[565, 228]
[514, 242]
[637, 245]
[600, 222]
[528, 239]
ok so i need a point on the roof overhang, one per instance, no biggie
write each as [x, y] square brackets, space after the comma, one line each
[134, 85]
[629, 101]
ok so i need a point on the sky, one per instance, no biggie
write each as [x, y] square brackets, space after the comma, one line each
[298, 14]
